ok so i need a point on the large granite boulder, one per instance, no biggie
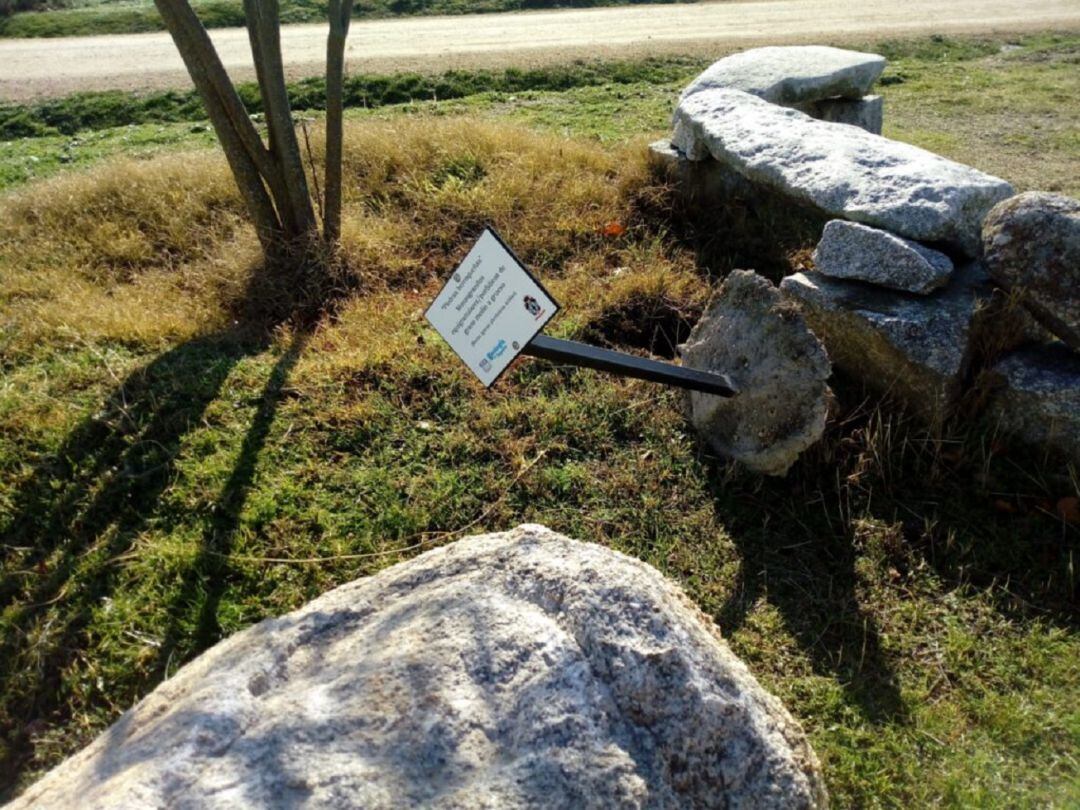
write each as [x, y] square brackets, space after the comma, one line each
[851, 250]
[794, 74]
[841, 170]
[779, 367]
[1038, 398]
[916, 346]
[507, 670]
[1032, 245]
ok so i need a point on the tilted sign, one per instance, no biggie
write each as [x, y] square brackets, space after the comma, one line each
[491, 308]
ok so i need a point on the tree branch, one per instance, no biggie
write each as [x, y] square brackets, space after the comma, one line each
[265, 35]
[340, 13]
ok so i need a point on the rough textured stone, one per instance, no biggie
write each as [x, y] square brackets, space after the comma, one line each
[865, 113]
[778, 366]
[793, 75]
[701, 182]
[1032, 244]
[507, 670]
[850, 250]
[914, 346]
[1038, 400]
[841, 170]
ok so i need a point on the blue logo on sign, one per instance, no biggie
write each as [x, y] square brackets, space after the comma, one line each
[500, 347]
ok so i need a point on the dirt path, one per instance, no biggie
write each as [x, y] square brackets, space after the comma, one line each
[50, 67]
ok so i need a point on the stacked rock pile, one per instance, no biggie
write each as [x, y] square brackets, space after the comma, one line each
[931, 280]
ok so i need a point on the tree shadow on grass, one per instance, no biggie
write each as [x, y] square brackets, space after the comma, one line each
[804, 566]
[207, 578]
[81, 508]
[84, 505]
[926, 503]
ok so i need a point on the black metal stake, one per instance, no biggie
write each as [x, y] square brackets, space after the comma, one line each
[627, 365]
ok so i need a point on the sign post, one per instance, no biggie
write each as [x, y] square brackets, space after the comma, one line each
[492, 309]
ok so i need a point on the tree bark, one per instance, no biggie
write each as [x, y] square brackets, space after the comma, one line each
[340, 15]
[265, 35]
[247, 157]
[271, 178]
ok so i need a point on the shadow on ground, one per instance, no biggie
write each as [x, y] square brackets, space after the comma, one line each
[85, 504]
[806, 570]
[929, 507]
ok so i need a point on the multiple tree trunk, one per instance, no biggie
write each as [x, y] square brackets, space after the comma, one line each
[271, 175]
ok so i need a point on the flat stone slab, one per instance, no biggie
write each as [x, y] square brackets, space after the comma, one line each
[1039, 398]
[854, 251]
[779, 367]
[1032, 245]
[790, 75]
[912, 345]
[514, 670]
[841, 170]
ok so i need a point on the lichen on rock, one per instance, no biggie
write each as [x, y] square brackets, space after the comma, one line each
[779, 367]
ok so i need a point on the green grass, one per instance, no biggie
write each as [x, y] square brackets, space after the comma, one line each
[912, 599]
[98, 110]
[1009, 112]
[140, 16]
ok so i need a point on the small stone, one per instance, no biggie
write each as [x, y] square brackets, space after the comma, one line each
[840, 170]
[778, 366]
[1038, 398]
[1032, 245]
[513, 670]
[793, 74]
[851, 250]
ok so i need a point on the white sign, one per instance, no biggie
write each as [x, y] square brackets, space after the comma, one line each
[490, 308]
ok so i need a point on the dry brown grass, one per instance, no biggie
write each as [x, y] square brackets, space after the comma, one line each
[132, 252]
[149, 251]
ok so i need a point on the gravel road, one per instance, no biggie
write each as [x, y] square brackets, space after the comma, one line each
[34, 68]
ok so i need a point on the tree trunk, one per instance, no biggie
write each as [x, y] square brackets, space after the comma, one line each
[271, 179]
[294, 205]
[340, 13]
[248, 159]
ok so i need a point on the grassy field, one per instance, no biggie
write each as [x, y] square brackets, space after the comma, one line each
[175, 464]
[86, 17]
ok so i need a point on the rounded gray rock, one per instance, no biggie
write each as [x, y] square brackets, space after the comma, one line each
[913, 346]
[1038, 401]
[509, 670]
[779, 367]
[1032, 245]
[796, 74]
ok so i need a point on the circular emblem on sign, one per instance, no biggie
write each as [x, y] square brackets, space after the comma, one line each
[532, 305]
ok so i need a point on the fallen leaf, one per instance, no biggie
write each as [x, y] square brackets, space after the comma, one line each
[613, 229]
[1068, 509]
[1001, 505]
